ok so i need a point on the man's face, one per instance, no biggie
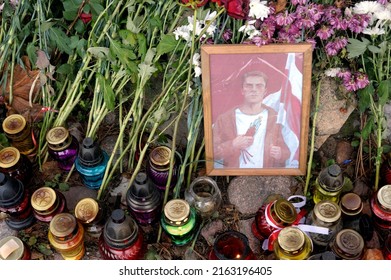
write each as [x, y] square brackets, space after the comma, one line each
[254, 88]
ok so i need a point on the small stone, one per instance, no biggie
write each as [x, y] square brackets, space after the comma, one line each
[343, 151]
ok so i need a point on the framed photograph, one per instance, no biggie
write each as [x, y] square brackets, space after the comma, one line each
[256, 103]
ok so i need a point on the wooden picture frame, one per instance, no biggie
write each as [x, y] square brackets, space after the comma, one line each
[270, 114]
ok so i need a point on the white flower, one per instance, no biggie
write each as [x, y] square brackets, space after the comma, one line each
[332, 72]
[249, 29]
[197, 71]
[367, 7]
[182, 32]
[196, 59]
[374, 31]
[259, 9]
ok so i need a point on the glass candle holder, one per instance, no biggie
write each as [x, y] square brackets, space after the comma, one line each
[143, 200]
[66, 235]
[274, 215]
[13, 248]
[19, 132]
[47, 203]
[348, 244]
[15, 164]
[91, 163]
[381, 209]
[179, 221]
[121, 239]
[158, 165]
[92, 214]
[204, 195]
[62, 146]
[231, 245]
[292, 244]
[15, 201]
[326, 214]
[387, 248]
[329, 184]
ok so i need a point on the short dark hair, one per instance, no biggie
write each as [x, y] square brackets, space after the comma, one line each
[255, 73]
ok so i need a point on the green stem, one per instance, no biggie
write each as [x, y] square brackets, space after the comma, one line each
[311, 154]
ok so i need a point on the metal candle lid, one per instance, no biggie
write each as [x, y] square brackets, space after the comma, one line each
[384, 196]
[58, 138]
[351, 204]
[11, 248]
[285, 211]
[9, 157]
[86, 210]
[43, 198]
[348, 244]
[62, 224]
[291, 239]
[327, 211]
[14, 124]
[177, 211]
[160, 156]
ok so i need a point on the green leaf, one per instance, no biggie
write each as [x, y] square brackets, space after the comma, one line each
[373, 49]
[61, 40]
[364, 98]
[366, 131]
[64, 69]
[124, 55]
[108, 93]
[63, 186]
[99, 52]
[167, 44]
[384, 91]
[142, 44]
[128, 37]
[355, 143]
[32, 52]
[356, 47]
[45, 249]
[32, 241]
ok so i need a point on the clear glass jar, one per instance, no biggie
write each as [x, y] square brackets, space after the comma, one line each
[326, 214]
[329, 184]
[62, 146]
[179, 221]
[204, 195]
[292, 244]
[231, 245]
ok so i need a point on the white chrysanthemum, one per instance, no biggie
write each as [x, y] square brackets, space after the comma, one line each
[249, 29]
[383, 15]
[196, 59]
[197, 71]
[367, 7]
[374, 31]
[332, 72]
[259, 9]
[182, 32]
[198, 27]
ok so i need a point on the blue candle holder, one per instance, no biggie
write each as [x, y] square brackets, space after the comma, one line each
[91, 163]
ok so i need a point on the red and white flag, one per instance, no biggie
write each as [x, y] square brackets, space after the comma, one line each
[287, 102]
